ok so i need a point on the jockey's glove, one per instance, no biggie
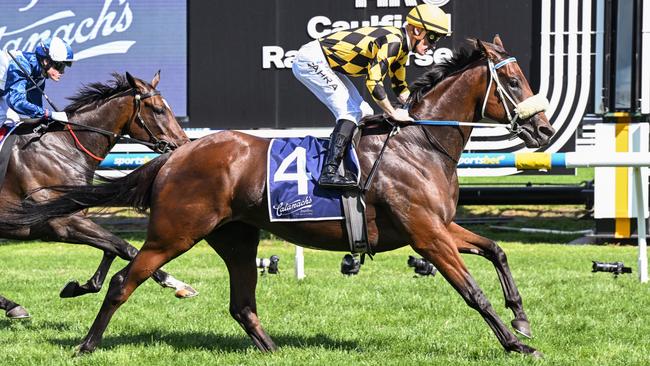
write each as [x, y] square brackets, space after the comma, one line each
[401, 115]
[59, 116]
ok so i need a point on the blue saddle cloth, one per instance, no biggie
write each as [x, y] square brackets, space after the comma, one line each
[294, 166]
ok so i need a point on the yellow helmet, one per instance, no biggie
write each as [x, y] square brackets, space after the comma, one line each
[430, 18]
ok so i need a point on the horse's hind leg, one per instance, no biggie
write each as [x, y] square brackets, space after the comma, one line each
[436, 244]
[13, 310]
[471, 243]
[237, 243]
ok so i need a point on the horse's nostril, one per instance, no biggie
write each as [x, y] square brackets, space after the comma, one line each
[546, 131]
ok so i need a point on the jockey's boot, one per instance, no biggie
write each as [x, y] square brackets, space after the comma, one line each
[339, 140]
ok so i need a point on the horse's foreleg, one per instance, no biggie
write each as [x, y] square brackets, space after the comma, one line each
[81, 230]
[94, 284]
[437, 246]
[13, 310]
[150, 258]
[236, 243]
[471, 243]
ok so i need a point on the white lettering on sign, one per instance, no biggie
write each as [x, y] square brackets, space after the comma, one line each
[321, 26]
[276, 56]
[114, 17]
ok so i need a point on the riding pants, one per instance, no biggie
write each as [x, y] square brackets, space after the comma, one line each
[333, 89]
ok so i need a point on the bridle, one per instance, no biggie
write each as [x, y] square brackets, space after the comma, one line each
[521, 111]
[158, 145]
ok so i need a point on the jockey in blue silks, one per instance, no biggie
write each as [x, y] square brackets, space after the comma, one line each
[18, 95]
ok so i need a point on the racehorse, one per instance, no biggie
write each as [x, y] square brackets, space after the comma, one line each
[412, 200]
[69, 154]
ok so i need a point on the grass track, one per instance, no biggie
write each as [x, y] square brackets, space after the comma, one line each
[383, 316]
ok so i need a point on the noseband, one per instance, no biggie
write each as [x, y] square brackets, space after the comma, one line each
[521, 111]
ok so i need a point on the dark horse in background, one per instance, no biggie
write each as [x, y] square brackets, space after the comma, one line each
[411, 202]
[126, 105]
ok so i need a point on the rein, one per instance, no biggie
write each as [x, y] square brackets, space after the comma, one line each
[437, 145]
[159, 145]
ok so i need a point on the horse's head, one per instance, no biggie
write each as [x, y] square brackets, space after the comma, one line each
[509, 98]
[153, 119]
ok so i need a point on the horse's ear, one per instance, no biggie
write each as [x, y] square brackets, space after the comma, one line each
[481, 47]
[156, 80]
[487, 50]
[131, 80]
[497, 41]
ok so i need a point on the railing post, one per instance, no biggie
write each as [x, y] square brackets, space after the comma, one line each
[300, 263]
[640, 226]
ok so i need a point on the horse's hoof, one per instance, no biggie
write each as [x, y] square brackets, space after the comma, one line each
[522, 327]
[69, 290]
[186, 292]
[18, 312]
[81, 350]
[528, 351]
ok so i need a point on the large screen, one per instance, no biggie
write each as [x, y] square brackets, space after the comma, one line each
[241, 52]
[138, 36]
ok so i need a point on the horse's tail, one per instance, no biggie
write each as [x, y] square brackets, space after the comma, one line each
[132, 190]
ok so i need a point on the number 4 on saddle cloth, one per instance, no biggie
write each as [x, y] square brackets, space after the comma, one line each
[294, 166]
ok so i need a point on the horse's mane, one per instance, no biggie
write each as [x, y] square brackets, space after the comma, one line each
[459, 59]
[95, 92]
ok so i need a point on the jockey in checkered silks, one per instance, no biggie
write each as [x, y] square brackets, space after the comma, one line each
[18, 94]
[324, 65]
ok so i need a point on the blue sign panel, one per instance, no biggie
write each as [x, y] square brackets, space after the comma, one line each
[138, 36]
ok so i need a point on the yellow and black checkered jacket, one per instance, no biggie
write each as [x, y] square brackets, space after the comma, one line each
[371, 51]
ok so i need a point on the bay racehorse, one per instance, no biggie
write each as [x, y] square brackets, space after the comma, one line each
[412, 200]
[69, 154]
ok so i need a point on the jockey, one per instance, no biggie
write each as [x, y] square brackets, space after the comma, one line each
[374, 52]
[18, 95]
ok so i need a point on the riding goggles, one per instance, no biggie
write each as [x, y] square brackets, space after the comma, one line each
[433, 37]
[61, 65]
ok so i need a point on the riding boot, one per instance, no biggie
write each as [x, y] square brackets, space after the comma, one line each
[339, 140]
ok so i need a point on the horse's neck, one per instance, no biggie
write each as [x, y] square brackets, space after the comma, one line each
[106, 117]
[454, 99]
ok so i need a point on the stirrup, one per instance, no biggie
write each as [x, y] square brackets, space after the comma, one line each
[337, 181]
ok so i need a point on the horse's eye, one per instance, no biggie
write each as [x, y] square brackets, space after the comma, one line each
[158, 110]
[514, 83]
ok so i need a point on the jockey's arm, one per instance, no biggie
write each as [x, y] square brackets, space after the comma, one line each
[377, 72]
[375, 80]
[17, 99]
[398, 80]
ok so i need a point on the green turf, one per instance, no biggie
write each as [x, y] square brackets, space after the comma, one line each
[383, 316]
